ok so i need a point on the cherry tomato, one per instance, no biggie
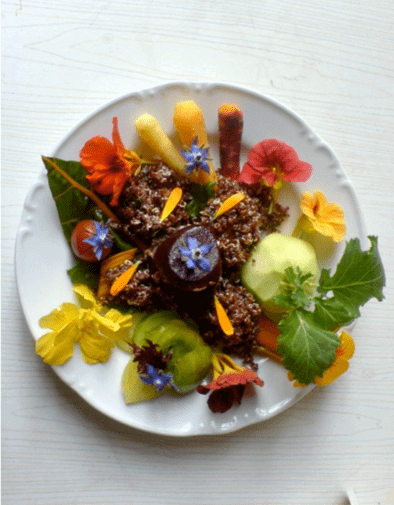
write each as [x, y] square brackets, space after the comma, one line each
[91, 241]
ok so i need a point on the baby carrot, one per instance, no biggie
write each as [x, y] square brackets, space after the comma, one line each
[189, 123]
[230, 134]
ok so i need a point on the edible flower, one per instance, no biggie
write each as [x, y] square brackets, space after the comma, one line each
[172, 201]
[70, 324]
[121, 282]
[320, 216]
[272, 162]
[156, 377]
[195, 254]
[196, 158]
[110, 165]
[101, 238]
[228, 384]
[229, 203]
[343, 353]
[224, 320]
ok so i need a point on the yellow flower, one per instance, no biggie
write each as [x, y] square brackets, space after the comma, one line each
[70, 324]
[321, 216]
[343, 353]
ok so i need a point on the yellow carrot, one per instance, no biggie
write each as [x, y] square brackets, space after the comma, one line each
[189, 123]
[151, 132]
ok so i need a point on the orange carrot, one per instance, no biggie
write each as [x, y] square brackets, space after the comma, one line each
[230, 134]
[268, 333]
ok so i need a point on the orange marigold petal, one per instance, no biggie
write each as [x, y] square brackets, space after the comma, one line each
[229, 203]
[223, 318]
[172, 201]
[121, 282]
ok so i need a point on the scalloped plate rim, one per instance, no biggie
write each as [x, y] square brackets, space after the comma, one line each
[194, 87]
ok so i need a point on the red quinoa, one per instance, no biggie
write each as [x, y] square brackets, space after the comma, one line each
[237, 231]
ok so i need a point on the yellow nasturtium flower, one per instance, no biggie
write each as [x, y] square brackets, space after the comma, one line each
[320, 216]
[95, 330]
[343, 353]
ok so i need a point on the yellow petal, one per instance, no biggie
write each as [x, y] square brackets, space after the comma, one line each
[121, 282]
[60, 317]
[54, 354]
[95, 348]
[223, 318]
[347, 346]
[86, 297]
[171, 203]
[111, 262]
[336, 369]
[123, 321]
[229, 203]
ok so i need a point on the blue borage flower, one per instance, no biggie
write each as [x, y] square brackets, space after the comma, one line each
[102, 238]
[195, 254]
[155, 377]
[196, 158]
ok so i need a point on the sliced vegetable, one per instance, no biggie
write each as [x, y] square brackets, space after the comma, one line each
[191, 356]
[268, 333]
[265, 271]
[230, 135]
[189, 123]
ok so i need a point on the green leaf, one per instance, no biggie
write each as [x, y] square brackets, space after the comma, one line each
[295, 290]
[122, 245]
[331, 314]
[359, 276]
[201, 194]
[72, 205]
[307, 349]
[85, 273]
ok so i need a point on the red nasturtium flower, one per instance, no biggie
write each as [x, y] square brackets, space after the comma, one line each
[272, 162]
[110, 165]
[229, 383]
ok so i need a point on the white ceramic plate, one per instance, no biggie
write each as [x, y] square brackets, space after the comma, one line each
[43, 255]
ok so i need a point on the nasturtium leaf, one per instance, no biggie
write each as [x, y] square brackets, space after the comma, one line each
[307, 350]
[72, 205]
[85, 273]
[359, 275]
[330, 314]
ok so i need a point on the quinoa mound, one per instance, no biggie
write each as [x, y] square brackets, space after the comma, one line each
[237, 231]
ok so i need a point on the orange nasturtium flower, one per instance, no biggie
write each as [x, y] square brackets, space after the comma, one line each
[96, 331]
[110, 165]
[320, 216]
[343, 353]
[228, 384]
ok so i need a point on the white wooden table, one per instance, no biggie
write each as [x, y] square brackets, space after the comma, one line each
[332, 63]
